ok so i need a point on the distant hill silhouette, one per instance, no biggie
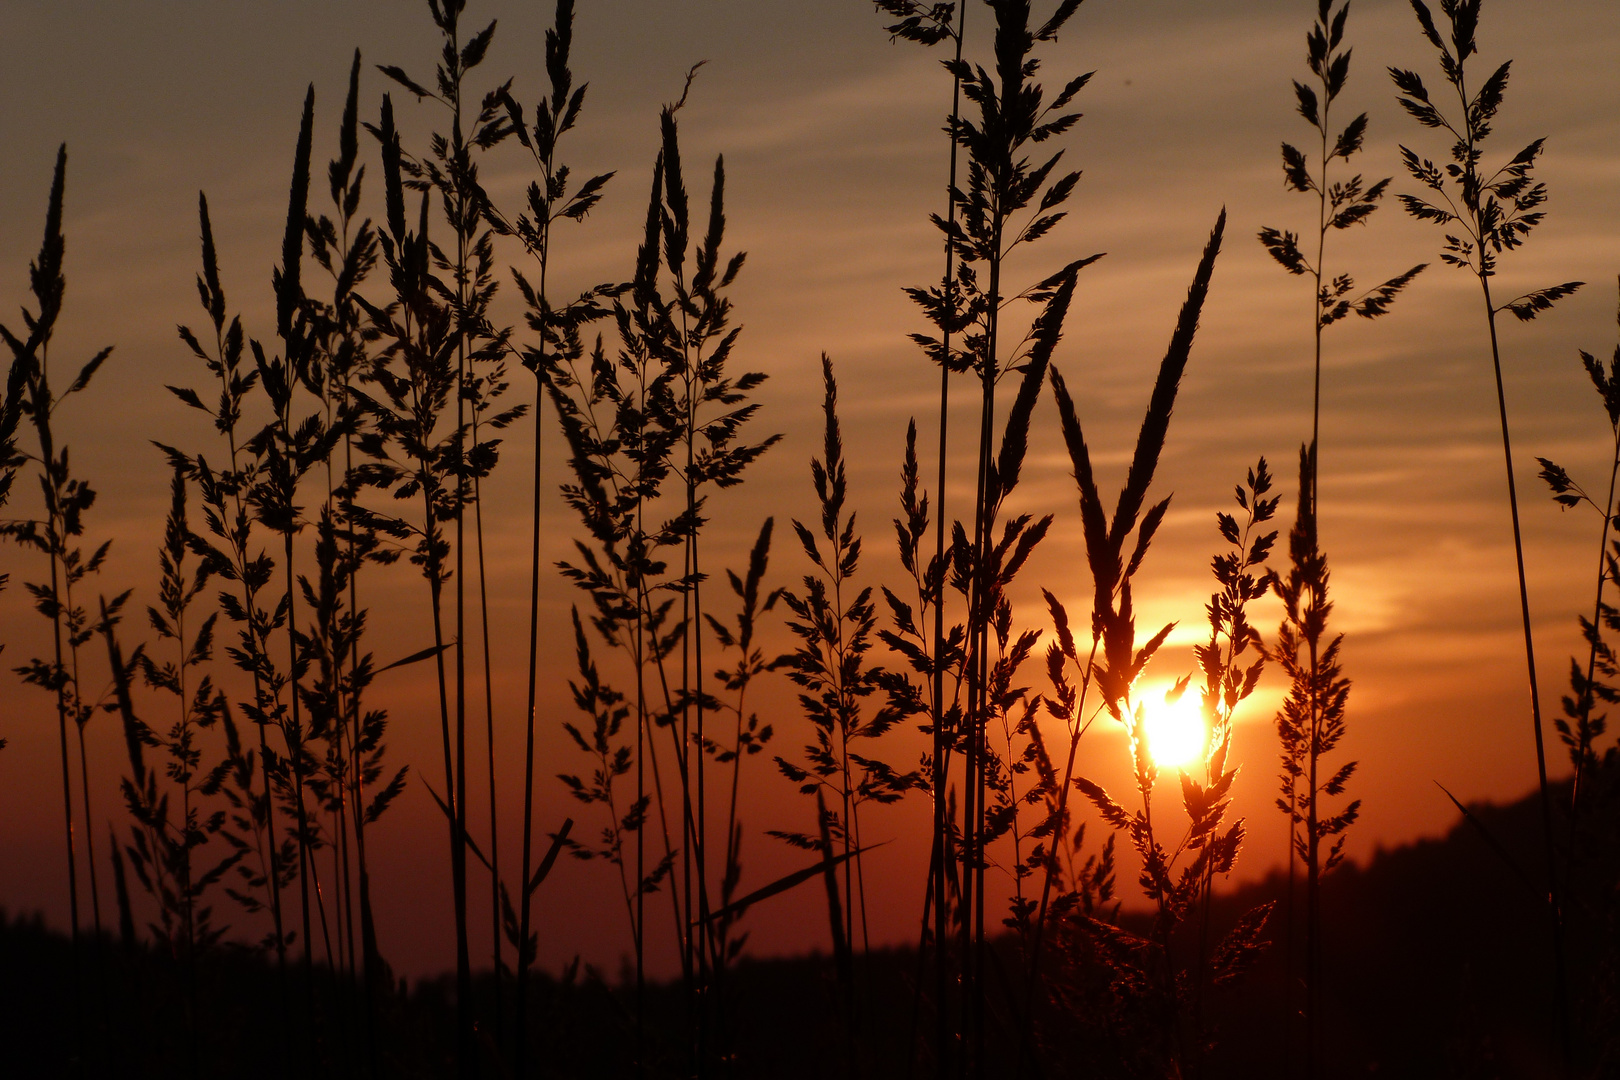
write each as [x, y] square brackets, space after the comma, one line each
[1436, 960]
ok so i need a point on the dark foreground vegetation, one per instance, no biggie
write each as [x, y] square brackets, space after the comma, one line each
[1435, 963]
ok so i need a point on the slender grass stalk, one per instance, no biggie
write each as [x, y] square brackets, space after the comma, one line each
[941, 843]
[25, 393]
[1578, 727]
[1310, 725]
[1145, 968]
[981, 231]
[163, 851]
[288, 454]
[749, 738]
[836, 630]
[452, 171]
[549, 201]
[1228, 680]
[1340, 205]
[1587, 873]
[632, 426]
[1008, 201]
[496, 961]
[66, 499]
[420, 335]
[1494, 212]
[929, 26]
[347, 250]
[227, 556]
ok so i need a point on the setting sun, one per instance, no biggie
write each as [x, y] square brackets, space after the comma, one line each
[1175, 730]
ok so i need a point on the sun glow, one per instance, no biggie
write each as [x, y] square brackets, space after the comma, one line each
[1176, 734]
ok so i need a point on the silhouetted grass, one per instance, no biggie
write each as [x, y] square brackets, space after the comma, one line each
[1590, 869]
[1309, 727]
[57, 537]
[1340, 205]
[364, 428]
[1493, 212]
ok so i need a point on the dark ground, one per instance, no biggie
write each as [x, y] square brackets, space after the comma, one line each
[1436, 964]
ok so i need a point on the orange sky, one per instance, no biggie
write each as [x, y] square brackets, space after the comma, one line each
[834, 162]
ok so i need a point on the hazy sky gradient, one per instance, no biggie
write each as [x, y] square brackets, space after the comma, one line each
[834, 160]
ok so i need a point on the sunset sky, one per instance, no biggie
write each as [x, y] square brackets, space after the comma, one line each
[834, 161]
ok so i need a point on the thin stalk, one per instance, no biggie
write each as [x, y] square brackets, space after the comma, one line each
[453, 795]
[260, 698]
[641, 833]
[84, 778]
[489, 744]
[694, 850]
[67, 780]
[1313, 869]
[1313, 926]
[667, 689]
[81, 718]
[368, 930]
[1289, 931]
[1587, 700]
[979, 634]
[1059, 833]
[521, 1056]
[343, 909]
[466, 1052]
[294, 737]
[936, 889]
[1554, 893]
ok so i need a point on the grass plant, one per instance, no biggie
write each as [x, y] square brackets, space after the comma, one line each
[929, 25]
[326, 671]
[226, 551]
[411, 457]
[1580, 728]
[289, 450]
[346, 247]
[1229, 679]
[1493, 213]
[654, 433]
[1144, 968]
[165, 844]
[56, 535]
[1591, 863]
[549, 200]
[1309, 727]
[1007, 201]
[1341, 204]
[835, 622]
[462, 336]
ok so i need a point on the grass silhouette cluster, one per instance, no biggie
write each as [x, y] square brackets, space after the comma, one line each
[358, 436]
